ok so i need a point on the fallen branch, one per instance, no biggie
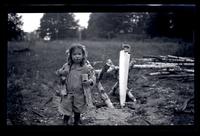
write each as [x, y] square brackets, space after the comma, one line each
[188, 70]
[180, 58]
[104, 70]
[48, 101]
[102, 92]
[36, 113]
[177, 76]
[104, 96]
[184, 106]
[155, 57]
[145, 59]
[114, 88]
[157, 66]
[21, 50]
[148, 122]
[131, 96]
[159, 73]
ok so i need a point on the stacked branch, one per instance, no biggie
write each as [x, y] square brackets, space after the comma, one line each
[100, 88]
[107, 68]
[164, 66]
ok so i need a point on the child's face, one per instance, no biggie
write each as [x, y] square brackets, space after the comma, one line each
[77, 55]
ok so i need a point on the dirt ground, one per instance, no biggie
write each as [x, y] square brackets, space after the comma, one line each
[31, 98]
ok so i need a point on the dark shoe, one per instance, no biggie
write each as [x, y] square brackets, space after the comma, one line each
[66, 120]
[77, 120]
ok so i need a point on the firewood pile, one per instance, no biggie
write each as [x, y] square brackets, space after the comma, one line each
[172, 67]
[169, 66]
[163, 66]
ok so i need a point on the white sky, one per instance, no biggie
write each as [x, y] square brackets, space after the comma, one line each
[32, 20]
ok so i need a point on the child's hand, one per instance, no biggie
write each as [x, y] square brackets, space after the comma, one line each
[87, 83]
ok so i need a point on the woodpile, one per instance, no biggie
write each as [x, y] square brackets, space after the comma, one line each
[172, 67]
[165, 66]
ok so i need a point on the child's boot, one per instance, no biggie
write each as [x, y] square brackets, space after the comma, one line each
[66, 120]
[77, 120]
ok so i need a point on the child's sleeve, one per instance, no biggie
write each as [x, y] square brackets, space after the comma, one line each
[91, 75]
[63, 71]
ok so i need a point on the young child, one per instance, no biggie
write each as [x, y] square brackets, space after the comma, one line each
[73, 99]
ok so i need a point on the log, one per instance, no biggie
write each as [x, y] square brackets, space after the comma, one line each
[104, 96]
[180, 58]
[177, 76]
[114, 88]
[159, 73]
[188, 70]
[144, 59]
[176, 69]
[185, 64]
[155, 57]
[97, 71]
[173, 64]
[104, 69]
[177, 61]
[100, 87]
[170, 58]
[154, 66]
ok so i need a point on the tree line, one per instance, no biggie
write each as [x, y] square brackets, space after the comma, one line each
[109, 25]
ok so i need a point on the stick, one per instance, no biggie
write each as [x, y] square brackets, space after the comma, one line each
[177, 76]
[188, 70]
[114, 88]
[104, 96]
[131, 96]
[155, 57]
[104, 69]
[21, 50]
[159, 73]
[48, 101]
[180, 58]
[37, 113]
[147, 121]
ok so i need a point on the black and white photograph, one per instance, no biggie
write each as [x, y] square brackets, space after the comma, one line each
[101, 68]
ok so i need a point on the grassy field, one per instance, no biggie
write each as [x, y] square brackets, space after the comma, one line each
[48, 56]
[33, 70]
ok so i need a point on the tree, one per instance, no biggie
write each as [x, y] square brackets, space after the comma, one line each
[182, 25]
[158, 24]
[14, 27]
[110, 24]
[107, 25]
[58, 26]
[171, 24]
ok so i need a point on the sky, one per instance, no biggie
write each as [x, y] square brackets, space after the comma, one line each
[31, 21]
